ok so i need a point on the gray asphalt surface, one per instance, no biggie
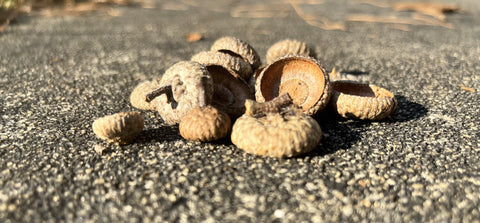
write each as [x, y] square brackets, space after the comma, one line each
[58, 74]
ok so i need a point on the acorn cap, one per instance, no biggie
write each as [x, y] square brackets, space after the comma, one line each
[285, 134]
[120, 128]
[254, 77]
[238, 65]
[230, 90]
[205, 124]
[361, 101]
[304, 78]
[286, 47]
[192, 87]
[237, 47]
[137, 97]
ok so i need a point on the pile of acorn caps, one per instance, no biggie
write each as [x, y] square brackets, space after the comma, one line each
[265, 109]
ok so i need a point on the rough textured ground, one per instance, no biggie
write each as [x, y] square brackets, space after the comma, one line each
[58, 74]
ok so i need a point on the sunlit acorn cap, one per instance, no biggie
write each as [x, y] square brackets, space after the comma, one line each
[120, 128]
[304, 78]
[238, 65]
[288, 133]
[286, 47]
[137, 97]
[361, 101]
[239, 48]
[205, 124]
[192, 87]
[230, 90]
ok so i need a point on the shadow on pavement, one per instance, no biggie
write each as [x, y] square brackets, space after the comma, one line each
[407, 110]
[356, 72]
[226, 141]
[341, 133]
[337, 135]
[161, 134]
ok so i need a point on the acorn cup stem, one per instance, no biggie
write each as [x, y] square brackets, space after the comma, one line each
[167, 89]
[253, 108]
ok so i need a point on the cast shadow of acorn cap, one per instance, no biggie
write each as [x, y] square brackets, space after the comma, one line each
[340, 133]
[407, 110]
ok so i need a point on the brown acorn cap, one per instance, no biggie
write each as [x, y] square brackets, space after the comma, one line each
[205, 124]
[120, 128]
[239, 66]
[287, 133]
[188, 85]
[286, 47]
[137, 97]
[239, 48]
[254, 77]
[304, 78]
[362, 101]
[230, 90]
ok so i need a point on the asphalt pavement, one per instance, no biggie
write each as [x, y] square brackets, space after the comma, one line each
[58, 74]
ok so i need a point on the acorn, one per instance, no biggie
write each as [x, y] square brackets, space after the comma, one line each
[205, 124]
[288, 47]
[120, 128]
[238, 48]
[230, 90]
[237, 65]
[361, 101]
[275, 129]
[184, 86]
[137, 97]
[304, 78]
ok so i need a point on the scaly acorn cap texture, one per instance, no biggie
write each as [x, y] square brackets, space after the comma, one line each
[285, 134]
[237, 47]
[137, 97]
[192, 87]
[239, 66]
[362, 101]
[286, 47]
[205, 124]
[230, 90]
[304, 78]
[120, 128]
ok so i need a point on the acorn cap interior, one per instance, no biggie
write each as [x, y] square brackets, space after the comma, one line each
[361, 90]
[229, 89]
[301, 77]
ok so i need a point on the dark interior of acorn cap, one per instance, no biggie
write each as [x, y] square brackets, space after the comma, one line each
[302, 78]
[358, 89]
[230, 90]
